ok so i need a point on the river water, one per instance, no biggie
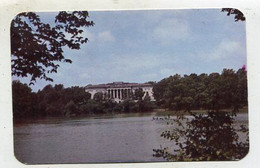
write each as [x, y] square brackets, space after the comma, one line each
[120, 138]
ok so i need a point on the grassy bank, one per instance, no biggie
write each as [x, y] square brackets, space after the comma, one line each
[162, 112]
[154, 112]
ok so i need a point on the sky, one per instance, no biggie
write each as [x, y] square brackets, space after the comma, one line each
[149, 45]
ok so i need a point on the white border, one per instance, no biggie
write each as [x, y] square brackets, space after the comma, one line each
[251, 9]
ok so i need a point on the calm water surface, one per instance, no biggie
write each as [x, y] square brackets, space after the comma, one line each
[120, 138]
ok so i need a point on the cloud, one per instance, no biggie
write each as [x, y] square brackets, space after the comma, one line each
[106, 36]
[225, 49]
[170, 30]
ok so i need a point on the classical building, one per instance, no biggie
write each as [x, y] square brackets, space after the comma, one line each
[119, 91]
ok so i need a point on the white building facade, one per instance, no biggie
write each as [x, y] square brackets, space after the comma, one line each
[119, 91]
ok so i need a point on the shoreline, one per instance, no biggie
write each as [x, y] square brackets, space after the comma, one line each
[155, 113]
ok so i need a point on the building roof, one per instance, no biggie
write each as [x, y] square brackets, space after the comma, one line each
[118, 85]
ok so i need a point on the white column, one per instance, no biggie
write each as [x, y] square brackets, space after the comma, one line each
[114, 94]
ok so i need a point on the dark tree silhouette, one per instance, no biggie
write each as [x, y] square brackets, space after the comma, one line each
[239, 16]
[37, 47]
[208, 137]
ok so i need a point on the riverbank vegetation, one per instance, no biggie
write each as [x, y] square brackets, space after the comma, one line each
[215, 91]
[210, 135]
[57, 101]
[203, 92]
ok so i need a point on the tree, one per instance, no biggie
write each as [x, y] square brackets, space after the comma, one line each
[37, 47]
[160, 88]
[211, 136]
[227, 90]
[52, 100]
[24, 101]
[239, 16]
[77, 95]
[70, 108]
[138, 94]
[99, 97]
[147, 105]
[241, 92]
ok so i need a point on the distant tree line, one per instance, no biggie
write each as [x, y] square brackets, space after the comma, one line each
[54, 101]
[214, 92]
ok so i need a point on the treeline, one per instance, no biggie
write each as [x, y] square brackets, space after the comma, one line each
[57, 101]
[213, 92]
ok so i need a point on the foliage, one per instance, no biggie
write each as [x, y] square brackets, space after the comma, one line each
[213, 92]
[204, 137]
[239, 16]
[210, 136]
[98, 97]
[24, 100]
[56, 101]
[70, 108]
[190, 92]
[37, 47]
[50, 101]
[139, 94]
